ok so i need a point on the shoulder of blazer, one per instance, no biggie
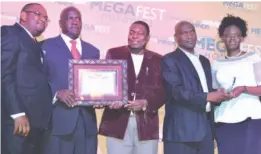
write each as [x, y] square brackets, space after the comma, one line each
[49, 44]
[5, 30]
[89, 45]
[174, 55]
[120, 51]
[153, 54]
[51, 40]
[11, 30]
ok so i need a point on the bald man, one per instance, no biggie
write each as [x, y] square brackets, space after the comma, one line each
[26, 95]
[188, 111]
[74, 128]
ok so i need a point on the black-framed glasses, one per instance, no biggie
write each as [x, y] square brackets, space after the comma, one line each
[39, 15]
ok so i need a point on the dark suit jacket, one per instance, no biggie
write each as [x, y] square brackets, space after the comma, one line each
[24, 87]
[56, 66]
[148, 85]
[185, 111]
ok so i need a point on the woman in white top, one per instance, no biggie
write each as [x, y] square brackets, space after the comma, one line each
[238, 120]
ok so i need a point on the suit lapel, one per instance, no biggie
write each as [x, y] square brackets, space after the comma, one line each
[84, 51]
[132, 78]
[145, 65]
[131, 70]
[143, 68]
[207, 72]
[32, 47]
[63, 47]
[186, 62]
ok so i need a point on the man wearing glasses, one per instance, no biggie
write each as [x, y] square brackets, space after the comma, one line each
[26, 95]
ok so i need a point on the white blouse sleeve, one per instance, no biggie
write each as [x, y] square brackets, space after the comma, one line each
[257, 68]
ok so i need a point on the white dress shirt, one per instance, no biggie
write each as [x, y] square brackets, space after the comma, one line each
[21, 114]
[194, 58]
[137, 62]
[67, 41]
[240, 69]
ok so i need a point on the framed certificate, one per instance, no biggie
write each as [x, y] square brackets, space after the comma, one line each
[98, 82]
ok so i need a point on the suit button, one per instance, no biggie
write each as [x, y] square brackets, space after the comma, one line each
[137, 81]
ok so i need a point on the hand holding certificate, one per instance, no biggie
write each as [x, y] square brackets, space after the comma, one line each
[98, 82]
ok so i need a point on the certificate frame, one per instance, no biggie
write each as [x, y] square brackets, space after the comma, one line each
[98, 70]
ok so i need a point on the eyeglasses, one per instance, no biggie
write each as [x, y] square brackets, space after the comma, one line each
[39, 15]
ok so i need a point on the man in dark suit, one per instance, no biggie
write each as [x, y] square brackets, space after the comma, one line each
[74, 128]
[26, 95]
[134, 127]
[188, 85]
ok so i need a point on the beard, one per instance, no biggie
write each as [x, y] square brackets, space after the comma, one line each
[39, 32]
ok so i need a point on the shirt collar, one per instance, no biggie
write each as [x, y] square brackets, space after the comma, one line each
[26, 30]
[68, 39]
[189, 54]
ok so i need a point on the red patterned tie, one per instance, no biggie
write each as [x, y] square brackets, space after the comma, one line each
[75, 52]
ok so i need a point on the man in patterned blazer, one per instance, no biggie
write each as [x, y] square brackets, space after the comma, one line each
[133, 128]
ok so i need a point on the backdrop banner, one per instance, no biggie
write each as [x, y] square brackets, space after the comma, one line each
[106, 24]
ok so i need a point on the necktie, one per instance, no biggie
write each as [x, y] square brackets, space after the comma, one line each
[75, 52]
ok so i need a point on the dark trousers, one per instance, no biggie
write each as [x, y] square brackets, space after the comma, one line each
[78, 142]
[205, 146]
[239, 138]
[13, 144]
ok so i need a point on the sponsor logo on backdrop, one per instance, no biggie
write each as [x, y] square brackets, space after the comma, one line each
[198, 24]
[64, 3]
[256, 31]
[251, 47]
[241, 5]
[203, 42]
[127, 13]
[209, 46]
[211, 23]
[203, 24]
[103, 29]
[163, 40]
[149, 13]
